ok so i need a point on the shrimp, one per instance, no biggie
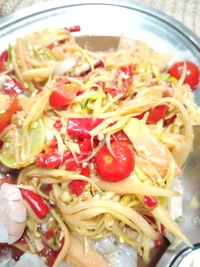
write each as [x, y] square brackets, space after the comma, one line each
[27, 259]
[12, 214]
[149, 148]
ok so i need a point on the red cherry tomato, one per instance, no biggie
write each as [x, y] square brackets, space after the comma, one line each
[192, 72]
[114, 169]
[5, 118]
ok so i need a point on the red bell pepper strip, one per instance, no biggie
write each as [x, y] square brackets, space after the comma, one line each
[81, 127]
[12, 86]
[5, 118]
[3, 60]
[36, 202]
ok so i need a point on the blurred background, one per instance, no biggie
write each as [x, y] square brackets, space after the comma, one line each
[185, 11]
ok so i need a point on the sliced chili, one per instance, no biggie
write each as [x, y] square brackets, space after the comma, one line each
[81, 127]
[36, 202]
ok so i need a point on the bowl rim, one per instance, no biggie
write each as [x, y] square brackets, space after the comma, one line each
[40, 8]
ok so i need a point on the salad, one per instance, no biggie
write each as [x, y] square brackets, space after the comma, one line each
[91, 146]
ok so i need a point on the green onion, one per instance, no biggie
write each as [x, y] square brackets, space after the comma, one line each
[43, 55]
[32, 225]
[9, 54]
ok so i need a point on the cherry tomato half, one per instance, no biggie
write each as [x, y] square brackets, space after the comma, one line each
[63, 94]
[5, 118]
[61, 98]
[155, 114]
[192, 72]
[114, 169]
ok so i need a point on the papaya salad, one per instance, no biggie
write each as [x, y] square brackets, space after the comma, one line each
[91, 144]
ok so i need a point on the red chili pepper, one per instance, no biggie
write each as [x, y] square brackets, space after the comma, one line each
[77, 186]
[49, 254]
[50, 160]
[162, 228]
[99, 64]
[6, 180]
[159, 241]
[127, 71]
[58, 125]
[126, 74]
[36, 202]
[121, 136]
[152, 220]
[81, 127]
[39, 90]
[49, 234]
[22, 240]
[52, 146]
[12, 86]
[169, 121]
[75, 28]
[47, 188]
[3, 60]
[85, 148]
[150, 202]
[114, 91]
